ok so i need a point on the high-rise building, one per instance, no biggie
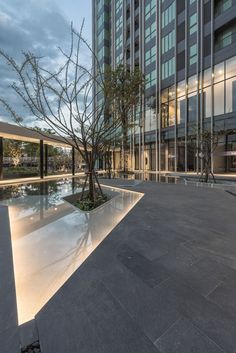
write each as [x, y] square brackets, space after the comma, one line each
[187, 52]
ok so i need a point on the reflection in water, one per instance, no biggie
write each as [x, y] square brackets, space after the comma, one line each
[51, 238]
[145, 176]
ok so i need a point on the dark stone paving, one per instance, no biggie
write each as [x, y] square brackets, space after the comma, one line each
[163, 281]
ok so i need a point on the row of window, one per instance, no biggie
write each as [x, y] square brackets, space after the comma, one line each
[222, 71]
[224, 94]
[223, 99]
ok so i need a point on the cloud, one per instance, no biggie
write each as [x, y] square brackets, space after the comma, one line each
[30, 25]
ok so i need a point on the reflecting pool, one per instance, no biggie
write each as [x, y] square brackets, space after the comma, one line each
[51, 239]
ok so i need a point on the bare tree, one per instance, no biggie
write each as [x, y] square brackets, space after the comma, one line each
[204, 148]
[65, 101]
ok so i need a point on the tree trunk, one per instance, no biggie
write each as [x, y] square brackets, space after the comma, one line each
[109, 164]
[91, 186]
[124, 147]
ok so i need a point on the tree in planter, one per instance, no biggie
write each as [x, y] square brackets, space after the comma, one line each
[124, 88]
[64, 101]
[207, 143]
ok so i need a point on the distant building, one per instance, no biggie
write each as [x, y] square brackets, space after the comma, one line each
[187, 51]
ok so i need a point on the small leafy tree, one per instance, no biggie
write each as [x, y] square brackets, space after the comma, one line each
[110, 144]
[124, 87]
[14, 150]
[64, 101]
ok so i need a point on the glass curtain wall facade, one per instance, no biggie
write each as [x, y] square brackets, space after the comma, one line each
[187, 51]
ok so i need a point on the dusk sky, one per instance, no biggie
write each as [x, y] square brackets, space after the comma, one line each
[39, 26]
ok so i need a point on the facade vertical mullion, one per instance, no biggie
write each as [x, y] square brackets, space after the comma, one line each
[160, 78]
[212, 80]
[175, 89]
[45, 159]
[198, 86]
[132, 63]
[141, 51]
[1, 157]
[73, 160]
[41, 159]
[186, 84]
[157, 84]
[201, 80]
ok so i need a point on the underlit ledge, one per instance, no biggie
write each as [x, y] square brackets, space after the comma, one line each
[9, 335]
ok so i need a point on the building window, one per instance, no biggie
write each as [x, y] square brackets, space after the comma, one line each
[171, 121]
[192, 83]
[119, 23]
[168, 15]
[219, 72]
[100, 5]
[181, 109]
[231, 67]
[150, 56]
[151, 79]
[207, 78]
[223, 39]
[219, 98]
[222, 6]
[150, 9]
[168, 68]
[181, 102]
[192, 107]
[168, 107]
[118, 6]
[207, 102]
[230, 96]
[119, 58]
[193, 24]
[193, 54]
[150, 32]
[118, 42]
[168, 41]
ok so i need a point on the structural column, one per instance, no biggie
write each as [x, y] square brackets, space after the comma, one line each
[73, 161]
[46, 160]
[1, 157]
[41, 158]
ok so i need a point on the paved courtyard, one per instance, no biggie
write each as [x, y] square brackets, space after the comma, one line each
[164, 280]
